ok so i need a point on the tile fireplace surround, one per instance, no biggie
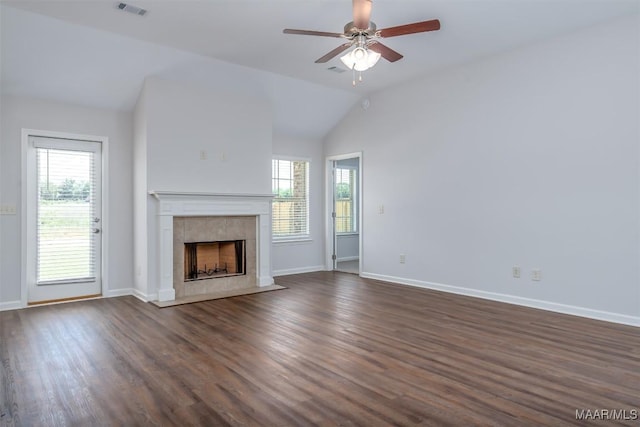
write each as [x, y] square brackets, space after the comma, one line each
[185, 205]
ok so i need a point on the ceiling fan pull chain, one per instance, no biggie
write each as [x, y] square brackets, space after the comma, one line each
[353, 70]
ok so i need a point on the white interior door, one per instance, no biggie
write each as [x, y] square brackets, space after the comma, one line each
[64, 217]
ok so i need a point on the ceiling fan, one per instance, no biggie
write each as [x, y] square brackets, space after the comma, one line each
[362, 34]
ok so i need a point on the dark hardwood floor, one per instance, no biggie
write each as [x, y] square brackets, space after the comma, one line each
[333, 349]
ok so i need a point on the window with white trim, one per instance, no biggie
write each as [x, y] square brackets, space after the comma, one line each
[290, 186]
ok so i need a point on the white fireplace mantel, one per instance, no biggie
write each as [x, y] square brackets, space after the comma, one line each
[185, 204]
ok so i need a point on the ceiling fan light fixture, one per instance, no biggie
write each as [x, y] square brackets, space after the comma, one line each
[360, 59]
[360, 34]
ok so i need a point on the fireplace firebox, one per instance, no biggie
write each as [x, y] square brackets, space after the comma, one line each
[210, 260]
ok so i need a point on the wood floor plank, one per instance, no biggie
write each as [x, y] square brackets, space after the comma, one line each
[332, 349]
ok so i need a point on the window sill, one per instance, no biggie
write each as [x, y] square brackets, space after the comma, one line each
[301, 240]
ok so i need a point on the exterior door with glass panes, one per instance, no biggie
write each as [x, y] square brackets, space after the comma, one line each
[64, 219]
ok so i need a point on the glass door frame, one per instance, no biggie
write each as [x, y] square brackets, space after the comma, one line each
[330, 234]
[29, 194]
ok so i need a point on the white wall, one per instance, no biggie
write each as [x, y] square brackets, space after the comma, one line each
[527, 158]
[140, 195]
[298, 257]
[22, 112]
[234, 129]
[174, 123]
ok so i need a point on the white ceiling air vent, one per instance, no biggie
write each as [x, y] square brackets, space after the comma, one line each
[336, 69]
[131, 9]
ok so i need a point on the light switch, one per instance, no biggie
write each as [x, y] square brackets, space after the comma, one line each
[8, 210]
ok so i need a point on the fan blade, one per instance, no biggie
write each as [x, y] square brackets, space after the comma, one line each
[416, 27]
[361, 13]
[311, 33]
[386, 52]
[333, 53]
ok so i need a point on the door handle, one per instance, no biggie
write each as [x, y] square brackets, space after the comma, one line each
[96, 230]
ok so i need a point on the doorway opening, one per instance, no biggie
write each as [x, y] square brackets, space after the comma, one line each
[344, 222]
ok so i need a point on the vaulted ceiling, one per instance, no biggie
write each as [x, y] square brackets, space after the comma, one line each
[93, 49]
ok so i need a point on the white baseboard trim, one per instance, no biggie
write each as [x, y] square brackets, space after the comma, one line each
[118, 292]
[348, 258]
[510, 299]
[300, 270]
[144, 297]
[11, 305]
[15, 305]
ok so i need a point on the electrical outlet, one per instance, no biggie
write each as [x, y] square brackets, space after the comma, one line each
[536, 275]
[203, 155]
[381, 209]
[402, 259]
[516, 271]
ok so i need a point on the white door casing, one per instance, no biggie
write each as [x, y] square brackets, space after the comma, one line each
[63, 239]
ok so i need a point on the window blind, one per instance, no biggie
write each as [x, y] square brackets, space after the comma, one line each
[290, 185]
[66, 249]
